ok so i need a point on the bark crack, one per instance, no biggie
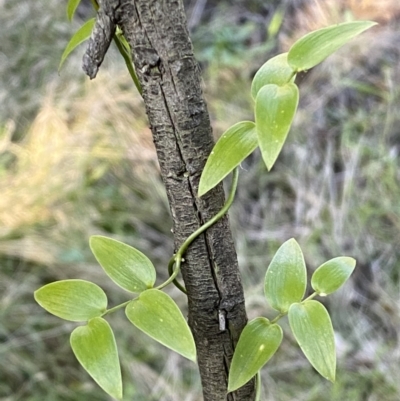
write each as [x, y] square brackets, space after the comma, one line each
[193, 193]
[169, 75]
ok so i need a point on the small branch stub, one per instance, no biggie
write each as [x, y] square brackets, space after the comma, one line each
[103, 32]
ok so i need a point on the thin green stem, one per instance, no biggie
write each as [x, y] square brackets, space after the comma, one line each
[258, 386]
[278, 317]
[313, 295]
[177, 284]
[116, 307]
[128, 61]
[177, 258]
[218, 216]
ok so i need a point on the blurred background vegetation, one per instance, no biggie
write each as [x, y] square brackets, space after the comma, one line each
[77, 158]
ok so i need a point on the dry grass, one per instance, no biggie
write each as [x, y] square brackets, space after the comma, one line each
[68, 148]
[309, 15]
[86, 166]
[336, 189]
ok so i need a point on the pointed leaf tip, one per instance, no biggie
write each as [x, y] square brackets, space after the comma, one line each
[72, 5]
[81, 35]
[157, 315]
[316, 46]
[95, 348]
[257, 344]
[312, 327]
[275, 109]
[234, 145]
[286, 277]
[74, 300]
[126, 266]
[331, 275]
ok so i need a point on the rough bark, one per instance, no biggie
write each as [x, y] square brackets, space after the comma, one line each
[179, 120]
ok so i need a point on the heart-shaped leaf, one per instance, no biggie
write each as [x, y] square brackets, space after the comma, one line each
[72, 5]
[157, 315]
[275, 71]
[286, 277]
[316, 46]
[82, 34]
[95, 348]
[75, 300]
[231, 149]
[275, 109]
[312, 328]
[257, 344]
[331, 275]
[126, 266]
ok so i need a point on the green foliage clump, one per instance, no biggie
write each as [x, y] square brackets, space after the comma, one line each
[335, 187]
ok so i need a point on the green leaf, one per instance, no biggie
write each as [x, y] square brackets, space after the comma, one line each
[126, 266]
[312, 328]
[157, 315]
[286, 277]
[75, 300]
[82, 34]
[95, 348]
[231, 149]
[331, 275]
[316, 46]
[257, 344]
[275, 71]
[275, 109]
[71, 8]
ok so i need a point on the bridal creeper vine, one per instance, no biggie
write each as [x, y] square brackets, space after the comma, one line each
[276, 98]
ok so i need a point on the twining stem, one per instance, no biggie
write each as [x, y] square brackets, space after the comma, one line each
[174, 261]
[217, 217]
[177, 258]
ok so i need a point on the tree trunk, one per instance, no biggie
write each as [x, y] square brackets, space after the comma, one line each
[179, 120]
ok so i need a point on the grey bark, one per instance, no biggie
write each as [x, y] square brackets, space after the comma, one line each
[179, 120]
